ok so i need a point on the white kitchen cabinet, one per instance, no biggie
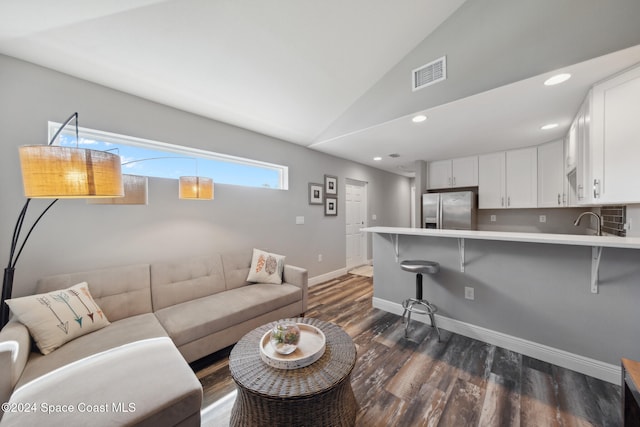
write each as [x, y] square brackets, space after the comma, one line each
[571, 149]
[491, 177]
[522, 178]
[462, 172]
[465, 171]
[551, 175]
[570, 180]
[584, 156]
[614, 138]
[439, 174]
[508, 179]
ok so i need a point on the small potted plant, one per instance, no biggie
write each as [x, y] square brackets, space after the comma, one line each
[285, 337]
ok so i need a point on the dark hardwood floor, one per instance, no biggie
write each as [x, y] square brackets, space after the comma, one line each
[420, 381]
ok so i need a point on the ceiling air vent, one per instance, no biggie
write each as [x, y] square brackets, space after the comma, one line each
[428, 74]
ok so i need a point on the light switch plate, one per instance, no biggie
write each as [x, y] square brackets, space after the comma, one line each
[299, 220]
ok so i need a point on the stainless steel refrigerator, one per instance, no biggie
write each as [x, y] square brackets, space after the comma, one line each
[451, 210]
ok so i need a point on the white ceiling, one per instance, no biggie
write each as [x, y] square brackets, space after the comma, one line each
[288, 69]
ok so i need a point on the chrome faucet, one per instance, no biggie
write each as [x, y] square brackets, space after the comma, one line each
[598, 217]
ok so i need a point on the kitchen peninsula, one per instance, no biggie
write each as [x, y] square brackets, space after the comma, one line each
[566, 299]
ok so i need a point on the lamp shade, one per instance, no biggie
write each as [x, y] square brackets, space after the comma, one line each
[196, 188]
[63, 172]
[136, 190]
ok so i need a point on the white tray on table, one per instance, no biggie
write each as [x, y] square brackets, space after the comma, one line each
[310, 348]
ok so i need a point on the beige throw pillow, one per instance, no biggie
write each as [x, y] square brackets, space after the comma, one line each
[266, 267]
[60, 316]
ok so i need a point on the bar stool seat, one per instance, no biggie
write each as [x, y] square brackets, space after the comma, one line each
[419, 266]
[418, 304]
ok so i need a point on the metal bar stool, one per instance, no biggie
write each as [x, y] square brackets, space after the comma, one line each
[417, 304]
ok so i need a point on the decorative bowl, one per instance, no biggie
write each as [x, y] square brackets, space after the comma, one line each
[285, 337]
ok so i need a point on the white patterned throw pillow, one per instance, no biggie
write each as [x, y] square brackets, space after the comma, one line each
[266, 267]
[60, 316]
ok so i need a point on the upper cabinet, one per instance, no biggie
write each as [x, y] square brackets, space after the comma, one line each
[522, 178]
[612, 168]
[571, 152]
[491, 178]
[508, 179]
[552, 192]
[462, 172]
[583, 153]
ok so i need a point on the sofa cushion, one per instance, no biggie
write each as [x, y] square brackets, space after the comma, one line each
[266, 267]
[141, 383]
[175, 282]
[236, 268]
[193, 320]
[118, 333]
[60, 316]
[119, 291]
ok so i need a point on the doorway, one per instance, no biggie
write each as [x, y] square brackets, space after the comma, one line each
[356, 218]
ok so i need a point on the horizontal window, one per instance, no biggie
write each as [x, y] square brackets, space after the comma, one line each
[162, 160]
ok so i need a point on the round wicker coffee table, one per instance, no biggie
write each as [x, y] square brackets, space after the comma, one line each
[317, 395]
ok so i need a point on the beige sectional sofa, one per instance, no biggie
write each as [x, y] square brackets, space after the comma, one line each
[135, 370]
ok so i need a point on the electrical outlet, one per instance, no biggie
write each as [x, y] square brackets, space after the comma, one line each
[543, 218]
[469, 293]
[493, 218]
[319, 257]
[299, 220]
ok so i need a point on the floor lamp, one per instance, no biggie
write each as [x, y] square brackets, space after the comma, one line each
[54, 172]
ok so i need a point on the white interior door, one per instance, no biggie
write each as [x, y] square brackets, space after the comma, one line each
[356, 208]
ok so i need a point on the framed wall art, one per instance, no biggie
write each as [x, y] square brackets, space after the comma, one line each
[330, 185]
[315, 193]
[331, 206]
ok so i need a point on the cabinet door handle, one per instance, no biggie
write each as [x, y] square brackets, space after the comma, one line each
[580, 192]
[559, 199]
[449, 181]
[596, 188]
[502, 201]
[508, 200]
[454, 181]
[564, 198]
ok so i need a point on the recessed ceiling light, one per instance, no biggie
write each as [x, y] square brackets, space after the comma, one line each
[377, 159]
[557, 79]
[549, 126]
[419, 118]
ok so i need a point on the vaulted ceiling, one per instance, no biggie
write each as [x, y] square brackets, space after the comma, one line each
[336, 75]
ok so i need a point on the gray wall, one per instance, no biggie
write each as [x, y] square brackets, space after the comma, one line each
[75, 236]
[538, 292]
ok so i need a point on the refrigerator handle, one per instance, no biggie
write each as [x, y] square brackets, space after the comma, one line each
[439, 219]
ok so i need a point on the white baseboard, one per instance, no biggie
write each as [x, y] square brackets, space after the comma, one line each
[593, 368]
[327, 276]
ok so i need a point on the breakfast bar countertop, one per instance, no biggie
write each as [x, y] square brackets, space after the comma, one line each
[557, 239]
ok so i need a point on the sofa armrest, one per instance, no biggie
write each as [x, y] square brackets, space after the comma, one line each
[15, 346]
[299, 277]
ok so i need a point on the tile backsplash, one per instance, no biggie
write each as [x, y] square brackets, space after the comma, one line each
[613, 220]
